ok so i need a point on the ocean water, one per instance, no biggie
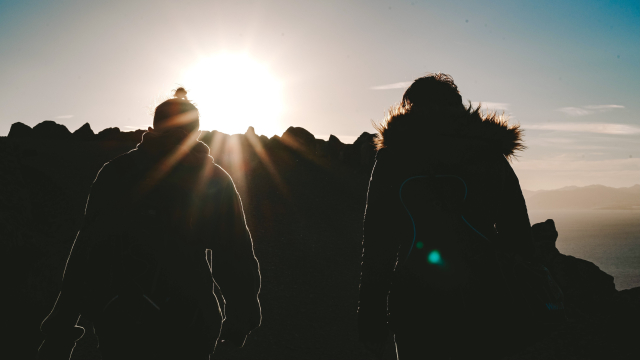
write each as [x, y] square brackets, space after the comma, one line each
[608, 238]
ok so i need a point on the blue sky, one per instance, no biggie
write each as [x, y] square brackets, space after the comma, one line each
[567, 71]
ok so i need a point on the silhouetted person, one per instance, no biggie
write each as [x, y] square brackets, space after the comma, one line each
[441, 197]
[138, 268]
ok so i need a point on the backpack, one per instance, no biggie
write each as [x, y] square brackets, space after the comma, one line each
[152, 277]
[450, 254]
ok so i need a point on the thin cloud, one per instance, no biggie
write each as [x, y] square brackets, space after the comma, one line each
[589, 109]
[562, 143]
[574, 111]
[601, 128]
[64, 116]
[491, 105]
[604, 107]
[398, 85]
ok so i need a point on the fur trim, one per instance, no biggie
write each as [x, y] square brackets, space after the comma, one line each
[404, 128]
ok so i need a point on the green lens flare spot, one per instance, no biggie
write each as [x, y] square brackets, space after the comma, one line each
[419, 245]
[434, 257]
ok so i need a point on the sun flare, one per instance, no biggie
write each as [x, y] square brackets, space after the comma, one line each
[233, 92]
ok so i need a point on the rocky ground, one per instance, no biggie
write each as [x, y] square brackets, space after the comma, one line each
[304, 200]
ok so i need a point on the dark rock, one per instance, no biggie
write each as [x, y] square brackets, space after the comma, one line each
[19, 130]
[331, 149]
[335, 145]
[217, 142]
[84, 133]
[133, 136]
[367, 152]
[586, 288]
[299, 139]
[51, 130]
[361, 153]
[322, 148]
[109, 134]
[629, 300]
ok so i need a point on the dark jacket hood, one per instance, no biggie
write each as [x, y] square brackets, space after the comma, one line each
[184, 146]
[466, 128]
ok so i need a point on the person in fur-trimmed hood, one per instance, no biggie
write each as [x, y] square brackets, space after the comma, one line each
[442, 195]
[138, 269]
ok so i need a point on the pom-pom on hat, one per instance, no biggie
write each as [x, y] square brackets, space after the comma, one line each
[177, 113]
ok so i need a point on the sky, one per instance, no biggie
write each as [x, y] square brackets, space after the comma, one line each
[567, 71]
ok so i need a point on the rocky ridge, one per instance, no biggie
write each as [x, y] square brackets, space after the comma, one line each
[304, 198]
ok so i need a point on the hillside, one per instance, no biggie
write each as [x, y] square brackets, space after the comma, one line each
[304, 199]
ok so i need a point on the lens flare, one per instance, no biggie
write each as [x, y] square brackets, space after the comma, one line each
[434, 257]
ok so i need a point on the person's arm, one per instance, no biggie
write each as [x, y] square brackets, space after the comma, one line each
[512, 224]
[60, 327]
[234, 266]
[380, 251]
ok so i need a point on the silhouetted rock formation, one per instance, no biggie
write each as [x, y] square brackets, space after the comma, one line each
[109, 134]
[304, 200]
[300, 140]
[49, 129]
[587, 289]
[20, 130]
[114, 134]
[362, 153]
[83, 133]
[335, 147]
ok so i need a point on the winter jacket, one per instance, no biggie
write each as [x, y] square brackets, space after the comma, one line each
[201, 195]
[465, 144]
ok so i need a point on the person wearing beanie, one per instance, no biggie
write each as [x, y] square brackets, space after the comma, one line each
[163, 226]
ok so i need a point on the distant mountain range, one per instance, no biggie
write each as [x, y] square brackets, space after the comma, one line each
[587, 197]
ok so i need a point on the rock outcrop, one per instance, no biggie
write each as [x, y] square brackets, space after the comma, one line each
[360, 155]
[84, 133]
[49, 129]
[586, 288]
[109, 134]
[303, 198]
[300, 140]
[20, 130]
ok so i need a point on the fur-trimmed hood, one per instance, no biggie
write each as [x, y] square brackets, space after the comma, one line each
[412, 129]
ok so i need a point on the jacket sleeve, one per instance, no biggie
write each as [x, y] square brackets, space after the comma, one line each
[234, 266]
[59, 328]
[379, 256]
[512, 223]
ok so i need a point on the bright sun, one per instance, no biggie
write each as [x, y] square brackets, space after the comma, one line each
[233, 92]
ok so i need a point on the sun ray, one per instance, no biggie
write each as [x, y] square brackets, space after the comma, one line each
[264, 157]
[170, 161]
